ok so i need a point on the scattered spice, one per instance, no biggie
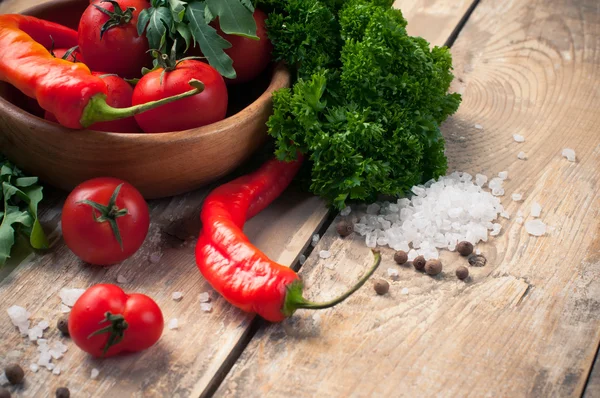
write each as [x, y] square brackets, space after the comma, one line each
[381, 286]
[433, 267]
[14, 373]
[464, 248]
[462, 272]
[400, 257]
[344, 228]
[4, 393]
[477, 260]
[63, 325]
[419, 263]
[63, 392]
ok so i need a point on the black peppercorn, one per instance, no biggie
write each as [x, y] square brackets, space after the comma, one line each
[462, 273]
[63, 392]
[14, 373]
[4, 393]
[381, 286]
[419, 263]
[63, 325]
[344, 228]
[400, 257]
[464, 248]
[433, 267]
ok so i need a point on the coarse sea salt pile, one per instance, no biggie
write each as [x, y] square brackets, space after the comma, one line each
[439, 215]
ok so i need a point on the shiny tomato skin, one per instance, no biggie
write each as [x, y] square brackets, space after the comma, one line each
[143, 316]
[250, 57]
[120, 50]
[94, 242]
[208, 107]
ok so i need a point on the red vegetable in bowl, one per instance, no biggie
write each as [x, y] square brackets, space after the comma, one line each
[234, 267]
[28, 65]
[208, 107]
[119, 95]
[105, 221]
[105, 321]
[108, 37]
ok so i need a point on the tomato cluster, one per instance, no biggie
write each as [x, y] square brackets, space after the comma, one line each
[109, 44]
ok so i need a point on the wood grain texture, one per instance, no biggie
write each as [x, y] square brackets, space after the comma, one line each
[526, 324]
[185, 360]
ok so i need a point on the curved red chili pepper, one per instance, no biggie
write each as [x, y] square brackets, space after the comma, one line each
[234, 267]
[68, 90]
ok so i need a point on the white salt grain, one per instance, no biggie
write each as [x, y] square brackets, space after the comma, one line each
[479, 127]
[521, 156]
[404, 291]
[34, 367]
[64, 309]
[3, 379]
[121, 279]
[206, 307]
[345, 211]
[503, 175]
[204, 297]
[496, 229]
[301, 259]
[44, 325]
[505, 214]
[518, 138]
[173, 324]
[35, 333]
[329, 266]
[393, 273]
[155, 257]
[20, 318]
[315, 240]
[536, 209]
[516, 197]
[324, 254]
[477, 251]
[70, 296]
[480, 179]
[535, 227]
[177, 296]
[94, 374]
[56, 371]
[569, 154]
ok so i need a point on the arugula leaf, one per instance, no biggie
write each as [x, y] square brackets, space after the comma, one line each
[234, 17]
[37, 237]
[177, 9]
[7, 233]
[25, 181]
[211, 44]
[156, 23]
[184, 31]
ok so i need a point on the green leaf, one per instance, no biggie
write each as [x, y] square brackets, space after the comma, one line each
[184, 31]
[234, 17]
[177, 9]
[37, 238]
[248, 4]
[6, 171]
[26, 181]
[7, 233]
[143, 19]
[208, 15]
[211, 44]
[158, 22]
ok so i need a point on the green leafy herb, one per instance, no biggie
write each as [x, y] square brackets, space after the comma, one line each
[188, 22]
[368, 100]
[20, 197]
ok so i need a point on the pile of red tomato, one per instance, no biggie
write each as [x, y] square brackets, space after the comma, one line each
[120, 53]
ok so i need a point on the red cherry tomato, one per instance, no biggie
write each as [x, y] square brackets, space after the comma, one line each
[75, 56]
[102, 229]
[120, 50]
[208, 107]
[250, 57]
[120, 94]
[105, 321]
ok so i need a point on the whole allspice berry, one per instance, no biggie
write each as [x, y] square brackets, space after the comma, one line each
[63, 392]
[400, 257]
[63, 325]
[419, 263]
[4, 393]
[344, 228]
[433, 267]
[381, 286]
[14, 373]
[464, 248]
[462, 272]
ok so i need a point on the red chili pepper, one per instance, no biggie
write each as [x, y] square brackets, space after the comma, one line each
[68, 90]
[235, 268]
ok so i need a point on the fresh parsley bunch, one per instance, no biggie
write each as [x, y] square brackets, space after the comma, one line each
[368, 100]
[188, 23]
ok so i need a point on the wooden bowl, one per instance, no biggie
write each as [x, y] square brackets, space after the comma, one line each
[159, 165]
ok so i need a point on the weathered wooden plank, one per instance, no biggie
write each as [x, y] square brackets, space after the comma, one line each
[527, 324]
[592, 388]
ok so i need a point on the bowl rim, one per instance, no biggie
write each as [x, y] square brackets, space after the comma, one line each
[280, 78]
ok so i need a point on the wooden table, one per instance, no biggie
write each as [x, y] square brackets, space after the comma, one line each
[528, 324]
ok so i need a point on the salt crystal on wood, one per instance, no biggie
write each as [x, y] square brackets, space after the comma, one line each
[480, 179]
[329, 266]
[569, 154]
[44, 324]
[315, 240]
[34, 367]
[503, 175]
[177, 296]
[301, 259]
[20, 318]
[121, 279]
[516, 197]
[345, 211]
[64, 309]
[204, 297]
[518, 138]
[479, 127]
[536, 209]
[404, 291]
[56, 371]
[393, 273]
[206, 307]
[173, 324]
[70, 296]
[535, 227]
[94, 374]
[521, 156]
[324, 254]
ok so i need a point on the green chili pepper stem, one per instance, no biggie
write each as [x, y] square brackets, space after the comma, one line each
[97, 110]
[295, 301]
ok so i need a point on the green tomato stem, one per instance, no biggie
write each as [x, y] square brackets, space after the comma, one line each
[97, 110]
